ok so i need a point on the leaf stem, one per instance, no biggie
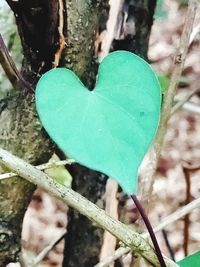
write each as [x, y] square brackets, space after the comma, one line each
[150, 229]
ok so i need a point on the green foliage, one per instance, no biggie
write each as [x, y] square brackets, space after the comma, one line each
[190, 261]
[59, 173]
[108, 129]
[164, 82]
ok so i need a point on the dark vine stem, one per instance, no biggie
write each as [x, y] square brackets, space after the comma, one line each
[10, 68]
[150, 230]
[165, 237]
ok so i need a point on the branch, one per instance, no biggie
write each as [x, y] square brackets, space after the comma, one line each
[178, 67]
[194, 33]
[46, 250]
[192, 107]
[193, 90]
[111, 207]
[164, 222]
[41, 167]
[118, 254]
[121, 231]
[168, 101]
[35, 261]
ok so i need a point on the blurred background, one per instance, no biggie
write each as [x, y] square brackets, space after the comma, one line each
[178, 173]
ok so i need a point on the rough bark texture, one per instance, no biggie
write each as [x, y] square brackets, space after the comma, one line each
[81, 26]
[21, 133]
[20, 130]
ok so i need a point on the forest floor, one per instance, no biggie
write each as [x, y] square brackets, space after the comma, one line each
[46, 218]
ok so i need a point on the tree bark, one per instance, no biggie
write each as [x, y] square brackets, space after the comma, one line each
[20, 130]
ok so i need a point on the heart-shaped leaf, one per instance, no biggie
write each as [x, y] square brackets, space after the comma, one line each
[110, 128]
[190, 261]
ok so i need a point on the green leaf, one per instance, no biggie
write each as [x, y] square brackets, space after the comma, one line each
[164, 83]
[110, 128]
[190, 261]
[59, 173]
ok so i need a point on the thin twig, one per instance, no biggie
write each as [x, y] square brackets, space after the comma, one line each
[10, 68]
[179, 60]
[194, 33]
[164, 223]
[192, 107]
[42, 167]
[111, 207]
[46, 250]
[195, 88]
[117, 255]
[121, 231]
[178, 214]
[191, 167]
[178, 67]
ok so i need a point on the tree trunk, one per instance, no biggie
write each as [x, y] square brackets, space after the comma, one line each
[20, 130]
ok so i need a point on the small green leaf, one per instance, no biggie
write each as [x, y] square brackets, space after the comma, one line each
[110, 128]
[164, 83]
[59, 173]
[190, 261]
